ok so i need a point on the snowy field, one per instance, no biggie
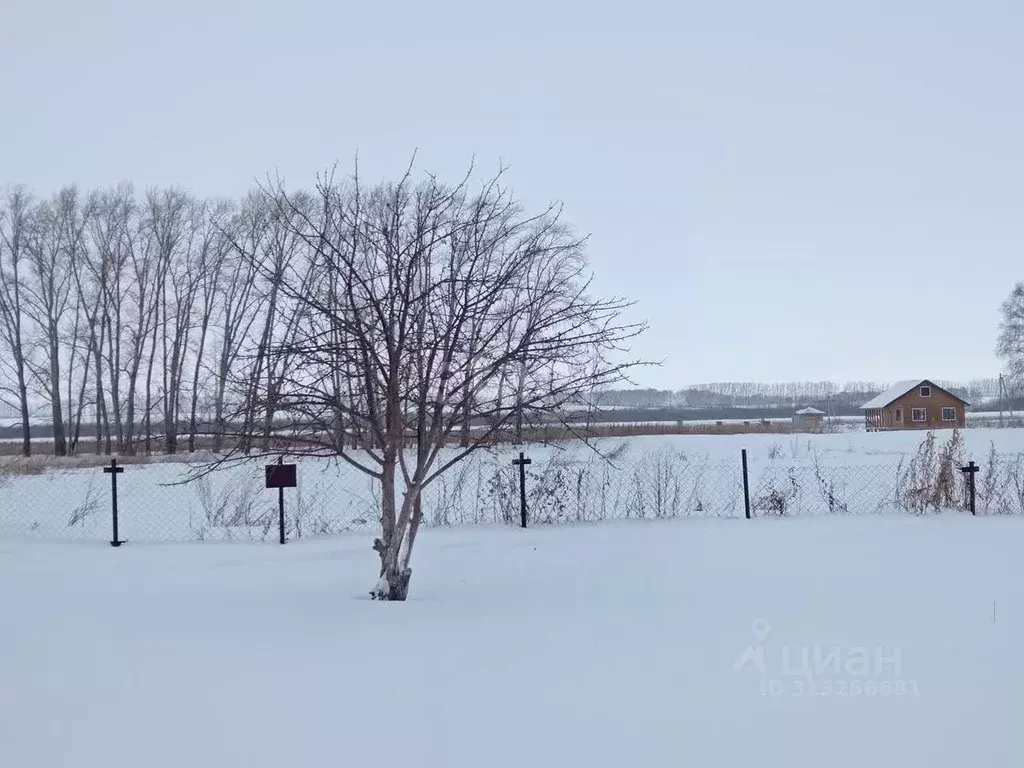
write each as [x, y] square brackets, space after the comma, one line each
[653, 476]
[643, 643]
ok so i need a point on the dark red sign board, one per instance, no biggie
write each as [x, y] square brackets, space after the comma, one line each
[281, 476]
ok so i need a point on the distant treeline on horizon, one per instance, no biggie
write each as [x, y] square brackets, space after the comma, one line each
[841, 397]
[721, 400]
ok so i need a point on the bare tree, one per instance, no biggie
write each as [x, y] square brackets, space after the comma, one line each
[280, 254]
[239, 301]
[102, 283]
[116, 212]
[286, 255]
[15, 225]
[176, 226]
[91, 273]
[53, 245]
[1010, 343]
[78, 339]
[141, 310]
[168, 228]
[429, 319]
[214, 247]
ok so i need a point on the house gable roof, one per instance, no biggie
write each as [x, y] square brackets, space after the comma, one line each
[809, 412]
[899, 389]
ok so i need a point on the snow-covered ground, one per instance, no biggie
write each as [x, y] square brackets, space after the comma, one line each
[652, 476]
[642, 643]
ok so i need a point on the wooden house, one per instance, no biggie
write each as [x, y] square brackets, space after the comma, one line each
[915, 404]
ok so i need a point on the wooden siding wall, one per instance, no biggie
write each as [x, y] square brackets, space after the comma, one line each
[885, 418]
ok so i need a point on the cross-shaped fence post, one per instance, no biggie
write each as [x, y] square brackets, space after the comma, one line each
[521, 462]
[971, 470]
[113, 470]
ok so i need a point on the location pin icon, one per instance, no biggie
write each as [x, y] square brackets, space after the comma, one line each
[761, 630]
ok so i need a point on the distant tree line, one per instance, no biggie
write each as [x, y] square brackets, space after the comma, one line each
[840, 398]
[121, 315]
[134, 323]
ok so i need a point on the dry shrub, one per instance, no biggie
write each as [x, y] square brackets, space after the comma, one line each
[829, 490]
[41, 463]
[1000, 488]
[20, 467]
[998, 484]
[776, 494]
[914, 487]
[932, 479]
[234, 506]
[948, 491]
[89, 506]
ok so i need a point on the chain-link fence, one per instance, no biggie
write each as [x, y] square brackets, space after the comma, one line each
[173, 502]
[163, 502]
[665, 485]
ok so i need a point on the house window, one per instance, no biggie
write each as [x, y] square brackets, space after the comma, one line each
[919, 415]
[926, 391]
[949, 414]
[899, 415]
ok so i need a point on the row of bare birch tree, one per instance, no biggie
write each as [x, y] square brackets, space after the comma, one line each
[128, 321]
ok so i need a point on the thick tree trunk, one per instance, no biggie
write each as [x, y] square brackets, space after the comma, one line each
[175, 384]
[171, 413]
[339, 431]
[195, 384]
[393, 583]
[218, 416]
[520, 388]
[269, 411]
[130, 433]
[149, 382]
[76, 424]
[396, 549]
[114, 373]
[60, 441]
[26, 426]
[138, 352]
[149, 410]
[464, 427]
[101, 403]
[99, 417]
[263, 359]
[170, 442]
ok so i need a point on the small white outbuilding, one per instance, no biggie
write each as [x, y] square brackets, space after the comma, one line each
[807, 420]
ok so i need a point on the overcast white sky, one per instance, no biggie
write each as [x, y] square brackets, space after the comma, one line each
[796, 189]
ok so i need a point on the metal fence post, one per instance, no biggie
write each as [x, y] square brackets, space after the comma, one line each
[746, 484]
[113, 470]
[521, 462]
[280, 506]
[971, 470]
